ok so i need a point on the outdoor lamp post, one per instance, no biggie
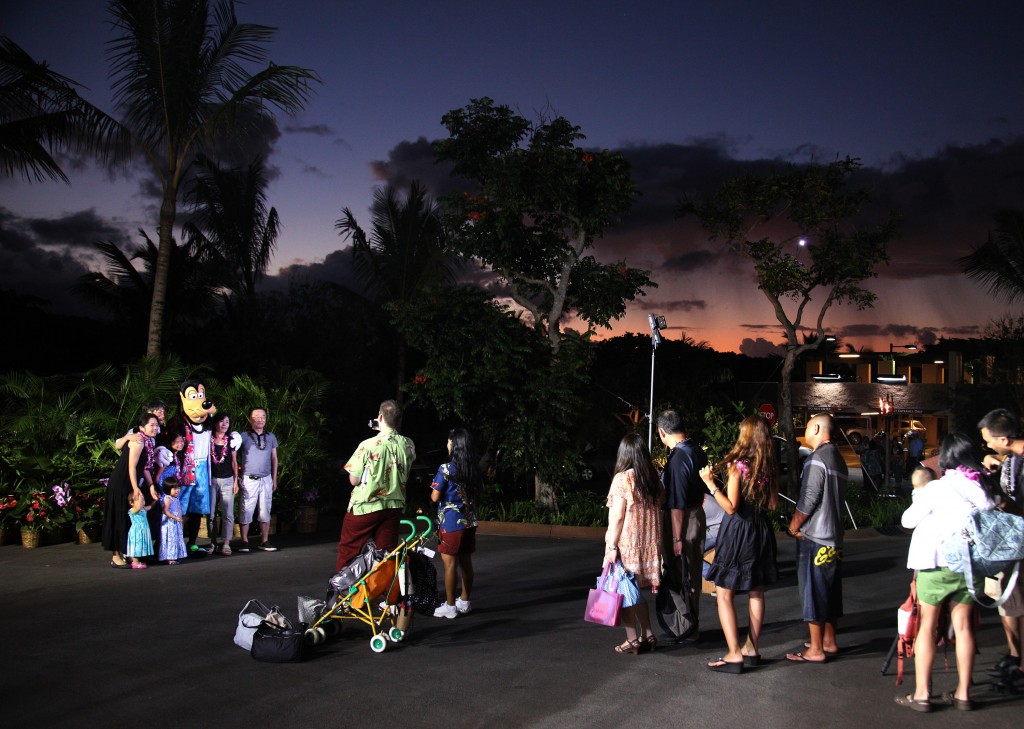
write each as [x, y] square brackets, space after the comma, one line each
[885, 408]
[657, 324]
[892, 355]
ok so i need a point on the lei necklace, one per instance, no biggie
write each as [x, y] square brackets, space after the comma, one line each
[150, 455]
[256, 439]
[223, 452]
[969, 473]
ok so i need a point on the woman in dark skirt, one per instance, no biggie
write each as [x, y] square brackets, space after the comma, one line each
[745, 553]
[126, 478]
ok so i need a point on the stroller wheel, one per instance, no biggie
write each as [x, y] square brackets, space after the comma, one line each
[395, 635]
[311, 636]
[321, 635]
[378, 643]
[332, 628]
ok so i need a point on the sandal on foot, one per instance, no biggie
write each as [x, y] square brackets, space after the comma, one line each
[909, 701]
[651, 642]
[724, 666]
[959, 704]
[801, 658]
[630, 646]
[752, 661]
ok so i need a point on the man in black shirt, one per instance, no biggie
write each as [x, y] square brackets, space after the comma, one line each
[685, 524]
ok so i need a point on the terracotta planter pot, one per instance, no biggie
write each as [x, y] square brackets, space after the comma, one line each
[30, 539]
[88, 535]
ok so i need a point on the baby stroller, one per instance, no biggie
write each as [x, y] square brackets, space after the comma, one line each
[379, 589]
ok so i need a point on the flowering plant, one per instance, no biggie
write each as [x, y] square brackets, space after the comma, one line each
[7, 507]
[87, 507]
[310, 495]
[33, 511]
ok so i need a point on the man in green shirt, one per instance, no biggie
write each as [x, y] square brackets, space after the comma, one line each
[377, 471]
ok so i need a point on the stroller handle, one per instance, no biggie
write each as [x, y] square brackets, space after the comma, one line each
[427, 529]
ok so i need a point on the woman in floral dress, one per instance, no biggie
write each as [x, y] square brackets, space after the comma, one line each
[633, 539]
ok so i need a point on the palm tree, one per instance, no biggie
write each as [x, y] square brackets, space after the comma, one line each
[126, 292]
[41, 113]
[230, 219]
[405, 251]
[180, 84]
[998, 263]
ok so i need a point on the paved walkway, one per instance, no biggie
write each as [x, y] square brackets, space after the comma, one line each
[89, 646]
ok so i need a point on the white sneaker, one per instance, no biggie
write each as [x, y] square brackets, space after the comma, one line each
[463, 606]
[446, 611]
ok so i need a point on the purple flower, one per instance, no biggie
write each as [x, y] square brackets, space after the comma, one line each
[62, 494]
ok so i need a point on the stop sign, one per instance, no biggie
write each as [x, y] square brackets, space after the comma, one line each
[767, 411]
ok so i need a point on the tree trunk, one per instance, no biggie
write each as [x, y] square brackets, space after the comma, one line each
[161, 273]
[544, 494]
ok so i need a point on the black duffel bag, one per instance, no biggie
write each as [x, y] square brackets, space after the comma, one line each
[274, 644]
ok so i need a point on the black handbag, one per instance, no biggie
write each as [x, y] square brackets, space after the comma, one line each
[274, 644]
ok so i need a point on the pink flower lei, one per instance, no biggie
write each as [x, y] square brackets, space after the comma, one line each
[969, 473]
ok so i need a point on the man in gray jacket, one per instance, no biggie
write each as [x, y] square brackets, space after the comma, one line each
[818, 527]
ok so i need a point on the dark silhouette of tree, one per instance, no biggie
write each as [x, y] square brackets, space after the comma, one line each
[41, 114]
[404, 251]
[998, 263]
[761, 218]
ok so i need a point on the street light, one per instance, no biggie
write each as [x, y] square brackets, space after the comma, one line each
[657, 324]
[892, 355]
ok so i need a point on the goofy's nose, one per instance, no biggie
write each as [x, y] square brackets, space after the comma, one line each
[207, 404]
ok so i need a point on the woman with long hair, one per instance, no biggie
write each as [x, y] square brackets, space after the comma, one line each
[937, 513]
[125, 479]
[745, 552]
[454, 490]
[633, 539]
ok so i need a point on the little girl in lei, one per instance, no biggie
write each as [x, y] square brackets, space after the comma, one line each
[172, 538]
[140, 540]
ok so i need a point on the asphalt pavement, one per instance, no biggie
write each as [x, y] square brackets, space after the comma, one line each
[89, 646]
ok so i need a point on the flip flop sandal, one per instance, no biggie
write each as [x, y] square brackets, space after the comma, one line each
[801, 658]
[909, 701]
[724, 666]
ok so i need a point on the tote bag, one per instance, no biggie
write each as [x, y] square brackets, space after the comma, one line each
[603, 604]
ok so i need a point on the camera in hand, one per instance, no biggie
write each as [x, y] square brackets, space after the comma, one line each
[374, 424]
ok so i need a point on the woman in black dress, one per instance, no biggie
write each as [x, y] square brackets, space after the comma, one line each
[126, 477]
[745, 553]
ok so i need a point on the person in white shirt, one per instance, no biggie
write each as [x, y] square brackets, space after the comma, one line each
[937, 513]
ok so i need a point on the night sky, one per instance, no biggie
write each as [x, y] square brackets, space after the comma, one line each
[926, 93]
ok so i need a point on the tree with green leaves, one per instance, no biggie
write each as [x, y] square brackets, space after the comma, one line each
[539, 204]
[181, 77]
[405, 250]
[536, 204]
[763, 220]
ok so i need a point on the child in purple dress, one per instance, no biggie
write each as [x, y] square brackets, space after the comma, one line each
[172, 539]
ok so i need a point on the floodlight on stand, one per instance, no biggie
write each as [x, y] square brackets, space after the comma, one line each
[657, 324]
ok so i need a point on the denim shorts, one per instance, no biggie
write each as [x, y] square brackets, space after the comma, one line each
[819, 571]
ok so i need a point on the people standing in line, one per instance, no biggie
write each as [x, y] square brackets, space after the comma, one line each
[377, 471]
[258, 465]
[1002, 433]
[126, 478]
[817, 525]
[745, 556]
[223, 484]
[140, 539]
[454, 490]
[633, 538]
[172, 539]
[685, 525]
[937, 512]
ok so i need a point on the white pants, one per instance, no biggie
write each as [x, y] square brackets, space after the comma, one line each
[257, 493]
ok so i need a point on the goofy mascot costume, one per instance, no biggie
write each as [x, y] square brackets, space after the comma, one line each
[191, 423]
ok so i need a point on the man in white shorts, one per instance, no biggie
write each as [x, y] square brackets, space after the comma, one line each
[257, 467]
